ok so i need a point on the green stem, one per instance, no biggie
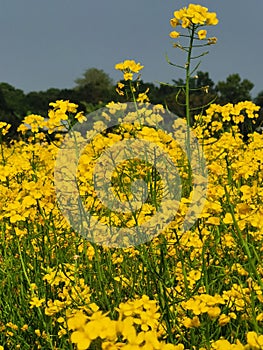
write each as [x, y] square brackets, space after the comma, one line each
[2, 150]
[187, 99]
[187, 79]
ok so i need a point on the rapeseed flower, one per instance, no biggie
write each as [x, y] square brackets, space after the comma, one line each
[194, 17]
[129, 67]
[202, 34]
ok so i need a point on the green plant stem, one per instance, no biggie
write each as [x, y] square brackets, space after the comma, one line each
[187, 99]
[2, 150]
[187, 80]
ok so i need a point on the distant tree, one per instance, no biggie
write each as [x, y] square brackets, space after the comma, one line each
[36, 103]
[14, 99]
[234, 89]
[94, 87]
[96, 77]
[8, 116]
[3, 104]
[259, 99]
[259, 102]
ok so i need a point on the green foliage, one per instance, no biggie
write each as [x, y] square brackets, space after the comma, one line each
[14, 99]
[234, 89]
[259, 99]
[96, 77]
[94, 87]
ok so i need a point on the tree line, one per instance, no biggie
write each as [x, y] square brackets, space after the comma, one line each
[95, 89]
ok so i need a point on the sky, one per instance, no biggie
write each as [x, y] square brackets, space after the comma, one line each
[50, 43]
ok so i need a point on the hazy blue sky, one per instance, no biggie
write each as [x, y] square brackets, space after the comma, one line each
[50, 43]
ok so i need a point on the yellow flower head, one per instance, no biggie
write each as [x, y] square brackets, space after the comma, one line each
[127, 76]
[174, 34]
[194, 15]
[80, 117]
[211, 19]
[142, 97]
[202, 34]
[174, 22]
[212, 41]
[128, 67]
[186, 22]
[4, 127]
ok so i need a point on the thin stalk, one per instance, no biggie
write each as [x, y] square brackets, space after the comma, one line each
[187, 99]
[187, 80]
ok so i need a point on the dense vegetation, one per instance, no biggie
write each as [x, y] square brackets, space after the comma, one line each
[95, 89]
[118, 234]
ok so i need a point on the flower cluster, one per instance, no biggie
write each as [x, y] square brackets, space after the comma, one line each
[218, 119]
[137, 327]
[193, 17]
[129, 67]
[4, 128]
[75, 284]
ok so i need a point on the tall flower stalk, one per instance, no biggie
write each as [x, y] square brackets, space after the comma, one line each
[193, 19]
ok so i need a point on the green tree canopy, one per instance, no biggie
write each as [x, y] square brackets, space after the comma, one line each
[14, 99]
[94, 87]
[259, 99]
[94, 77]
[234, 89]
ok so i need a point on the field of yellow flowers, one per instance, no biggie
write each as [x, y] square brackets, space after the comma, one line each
[198, 288]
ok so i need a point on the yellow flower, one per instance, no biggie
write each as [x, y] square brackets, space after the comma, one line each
[23, 328]
[228, 219]
[254, 340]
[211, 19]
[223, 320]
[81, 339]
[212, 41]
[120, 85]
[80, 117]
[35, 302]
[202, 34]
[129, 66]
[127, 76]
[214, 312]
[64, 106]
[174, 34]
[37, 332]
[191, 322]
[222, 344]
[186, 22]
[119, 92]
[119, 66]
[195, 14]
[77, 321]
[180, 13]
[142, 97]
[174, 22]
[213, 221]
[4, 127]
